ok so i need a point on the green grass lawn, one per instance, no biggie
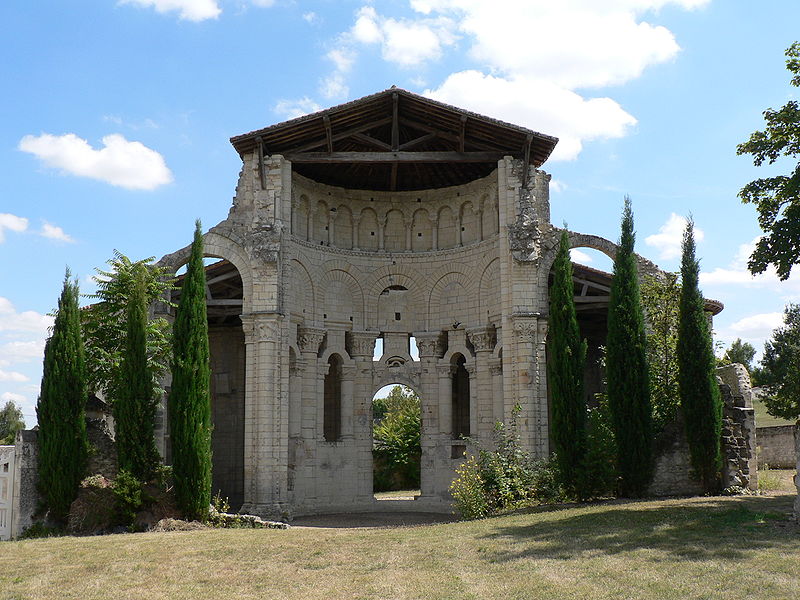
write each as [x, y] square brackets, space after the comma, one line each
[764, 419]
[719, 547]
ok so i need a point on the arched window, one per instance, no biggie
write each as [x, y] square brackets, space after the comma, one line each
[460, 399]
[332, 417]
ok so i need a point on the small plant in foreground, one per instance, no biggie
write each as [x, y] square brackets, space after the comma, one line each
[467, 490]
[768, 480]
[128, 498]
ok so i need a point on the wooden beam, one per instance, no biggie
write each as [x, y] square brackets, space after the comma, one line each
[395, 124]
[526, 160]
[368, 139]
[326, 120]
[225, 302]
[446, 135]
[388, 157]
[341, 135]
[462, 133]
[261, 175]
[418, 141]
[593, 299]
[223, 277]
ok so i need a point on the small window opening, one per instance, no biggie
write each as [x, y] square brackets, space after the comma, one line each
[396, 316]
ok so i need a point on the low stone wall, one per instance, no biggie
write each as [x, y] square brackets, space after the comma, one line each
[776, 447]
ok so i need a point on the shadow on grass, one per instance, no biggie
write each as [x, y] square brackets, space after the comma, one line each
[713, 528]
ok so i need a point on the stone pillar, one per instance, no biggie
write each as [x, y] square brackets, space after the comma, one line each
[483, 341]
[408, 225]
[473, 399]
[480, 225]
[496, 371]
[308, 341]
[362, 347]
[429, 346]
[381, 234]
[445, 375]
[296, 374]
[348, 386]
[266, 416]
[331, 219]
[434, 234]
[354, 235]
[528, 379]
[459, 220]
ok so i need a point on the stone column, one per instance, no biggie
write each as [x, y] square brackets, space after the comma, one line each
[356, 222]
[445, 375]
[362, 347]
[496, 371]
[429, 346]
[266, 416]
[308, 341]
[459, 219]
[381, 234]
[408, 225]
[483, 341]
[348, 386]
[473, 399]
[523, 381]
[331, 221]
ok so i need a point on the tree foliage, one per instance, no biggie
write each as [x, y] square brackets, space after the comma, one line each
[699, 392]
[628, 385]
[781, 367]
[136, 402]
[63, 446]
[777, 199]
[660, 300]
[11, 421]
[397, 440]
[189, 397]
[565, 370]
[740, 352]
[105, 328]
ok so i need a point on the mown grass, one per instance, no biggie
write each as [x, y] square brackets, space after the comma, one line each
[739, 547]
[764, 419]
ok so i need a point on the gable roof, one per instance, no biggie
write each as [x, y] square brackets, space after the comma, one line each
[396, 140]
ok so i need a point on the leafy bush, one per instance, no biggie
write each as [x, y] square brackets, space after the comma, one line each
[468, 492]
[128, 498]
[600, 470]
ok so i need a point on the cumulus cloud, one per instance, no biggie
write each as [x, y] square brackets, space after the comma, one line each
[189, 10]
[22, 351]
[12, 376]
[130, 165]
[579, 257]
[26, 321]
[757, 326]
[569, 47]
[54, 232]
[11, 223]
[539, 105]
[291, 109]
[670, 236]
[12, 397]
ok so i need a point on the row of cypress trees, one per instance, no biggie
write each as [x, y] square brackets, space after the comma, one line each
[63, 445]
[627, 373]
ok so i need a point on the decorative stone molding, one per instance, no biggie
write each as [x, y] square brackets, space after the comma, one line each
[444, 370]
[309, 339]
[429, 344]
[496, 366]
[482, 338]
[261, 328]
[525, 328]
[362, 343]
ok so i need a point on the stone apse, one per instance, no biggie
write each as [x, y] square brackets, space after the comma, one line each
[392, 218]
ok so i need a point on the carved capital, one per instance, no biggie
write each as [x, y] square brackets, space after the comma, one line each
[362, 343]
[309, 339]
[444, 370]
[482, 338]
[496, 366]
[525, 328]
[429, 344]
[261, 328]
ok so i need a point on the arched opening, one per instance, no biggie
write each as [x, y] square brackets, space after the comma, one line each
[396, 443]
[461, 416]
[224, 305]
[332, 407]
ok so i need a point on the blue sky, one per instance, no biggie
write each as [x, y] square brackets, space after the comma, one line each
[116, 118]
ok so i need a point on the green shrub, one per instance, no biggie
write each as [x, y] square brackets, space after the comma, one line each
[128, 498]
[397, 438]
[600, 467]
[468, 492]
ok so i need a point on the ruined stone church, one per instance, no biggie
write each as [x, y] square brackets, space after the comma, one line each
[396, 221]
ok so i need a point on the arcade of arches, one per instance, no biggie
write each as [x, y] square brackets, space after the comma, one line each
[316, 268]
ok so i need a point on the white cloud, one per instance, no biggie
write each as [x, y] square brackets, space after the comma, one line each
[264, 3]
[29, 320]
[12, 397]
[669, 238]
[130, 165]
[539, 105]
[757, 326]
[22, 351]
[291, 109]
[531, 58]
[311, 17]
[54, 232]
[189, 10]
[557, 186]
[12, 376]
[334, 87]
[579, 257]
[11, 223]
[342, 58]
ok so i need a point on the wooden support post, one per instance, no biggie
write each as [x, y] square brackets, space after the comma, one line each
[526, 160]
[328, 134]
[262, 177]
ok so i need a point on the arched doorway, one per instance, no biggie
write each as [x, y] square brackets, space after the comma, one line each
[396, 443]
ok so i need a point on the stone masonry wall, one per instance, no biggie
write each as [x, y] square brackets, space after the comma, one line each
[776, 447]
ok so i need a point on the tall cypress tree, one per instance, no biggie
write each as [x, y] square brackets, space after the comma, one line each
[135, 404]
[627, 370]
[63, 446]
[699, 392]
[189, 397]
[565, 369]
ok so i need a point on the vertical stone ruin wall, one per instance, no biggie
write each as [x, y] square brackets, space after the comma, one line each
[672, 474]
[26, 480]
[776, 446]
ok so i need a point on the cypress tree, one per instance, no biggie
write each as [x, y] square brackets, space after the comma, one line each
[135, 404]
[699, 392]
[627, 369]
[565, 369]
[189, 397]
[63, 446]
